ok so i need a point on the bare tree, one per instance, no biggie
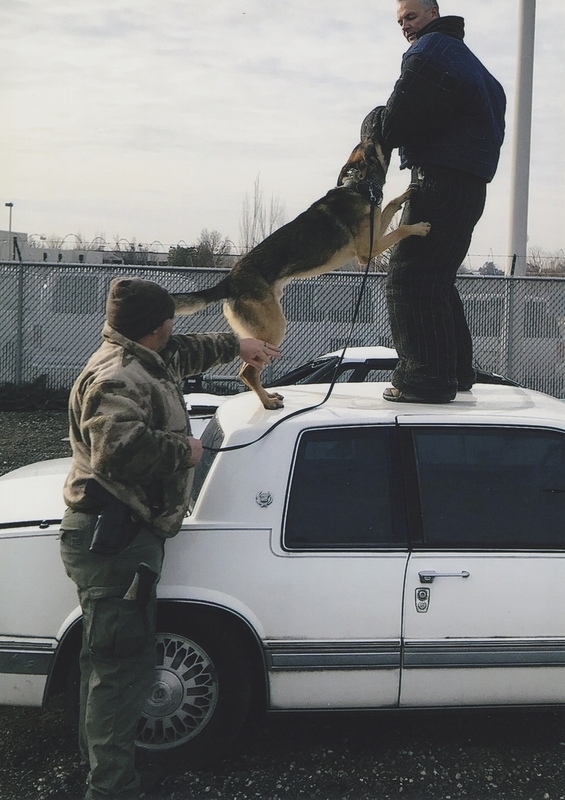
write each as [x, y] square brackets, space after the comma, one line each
[277, 214]
[36, 240]
[81, 242]
[53, 242]
[540, 262]
[256, 224]
[211, 249]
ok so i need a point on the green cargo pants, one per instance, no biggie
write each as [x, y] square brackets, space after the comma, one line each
[118, 652]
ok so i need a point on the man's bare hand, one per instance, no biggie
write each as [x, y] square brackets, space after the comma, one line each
[196, 451]
[257, 353]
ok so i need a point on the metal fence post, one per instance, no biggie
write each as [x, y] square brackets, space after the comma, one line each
[510, 328]
[20, 327]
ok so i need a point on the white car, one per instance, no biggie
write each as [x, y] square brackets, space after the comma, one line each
[351, 554]
[355, 365]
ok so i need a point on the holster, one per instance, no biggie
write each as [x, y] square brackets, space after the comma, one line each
[116, 526]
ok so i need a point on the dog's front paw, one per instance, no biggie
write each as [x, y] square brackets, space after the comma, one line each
[421, 228]
[273, 401]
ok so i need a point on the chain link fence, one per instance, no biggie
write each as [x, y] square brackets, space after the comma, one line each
[53, 314]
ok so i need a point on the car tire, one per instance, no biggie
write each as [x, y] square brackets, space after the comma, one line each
[201, 695]
[208, 670]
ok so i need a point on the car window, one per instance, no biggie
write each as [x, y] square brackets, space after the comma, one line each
[357, 373]
[495, 487]
[346, 374]
[342, 495]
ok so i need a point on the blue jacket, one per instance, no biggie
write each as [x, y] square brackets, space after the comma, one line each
[446, 108]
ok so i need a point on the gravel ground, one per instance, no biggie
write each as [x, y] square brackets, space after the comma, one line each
[432, 756]
[28, 436]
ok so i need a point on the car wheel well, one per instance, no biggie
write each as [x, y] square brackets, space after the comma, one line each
[68, 649]
[65, 675]
[220, 620]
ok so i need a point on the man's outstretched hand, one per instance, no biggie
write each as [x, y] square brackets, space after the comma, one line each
[257, 353]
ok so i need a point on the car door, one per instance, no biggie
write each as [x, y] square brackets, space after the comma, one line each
[342, 561]
[484, 606]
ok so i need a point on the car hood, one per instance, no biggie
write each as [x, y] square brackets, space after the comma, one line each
[33, 493]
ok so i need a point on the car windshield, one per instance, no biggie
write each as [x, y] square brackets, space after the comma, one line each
[322, 370]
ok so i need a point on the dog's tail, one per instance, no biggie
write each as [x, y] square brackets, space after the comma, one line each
[191, 302]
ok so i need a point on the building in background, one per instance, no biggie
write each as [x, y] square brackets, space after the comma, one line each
[19, 246]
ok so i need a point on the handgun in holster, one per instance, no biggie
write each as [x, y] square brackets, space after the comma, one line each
[116, 526]
[142, 585]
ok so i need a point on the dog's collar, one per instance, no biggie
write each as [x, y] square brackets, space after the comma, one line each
[372, 190]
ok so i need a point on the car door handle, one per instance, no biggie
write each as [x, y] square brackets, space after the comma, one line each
[428, 576]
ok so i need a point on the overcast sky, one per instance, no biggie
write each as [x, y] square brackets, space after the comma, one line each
[152, 119]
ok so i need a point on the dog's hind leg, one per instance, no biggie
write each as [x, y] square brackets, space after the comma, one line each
[260, 319]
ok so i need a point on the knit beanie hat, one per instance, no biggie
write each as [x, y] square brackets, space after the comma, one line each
[136, 307]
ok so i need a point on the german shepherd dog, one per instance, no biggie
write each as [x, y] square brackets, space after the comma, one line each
[333, 231]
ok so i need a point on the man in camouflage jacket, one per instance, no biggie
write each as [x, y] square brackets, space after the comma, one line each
[131, 442]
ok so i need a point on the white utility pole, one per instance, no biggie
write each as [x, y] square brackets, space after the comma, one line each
[10, 243]
[518, 233]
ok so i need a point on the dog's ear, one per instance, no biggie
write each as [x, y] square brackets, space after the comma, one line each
[358, 163]
[370, 154]
[354, 168]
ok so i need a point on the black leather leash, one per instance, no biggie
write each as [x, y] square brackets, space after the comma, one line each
[375, 201]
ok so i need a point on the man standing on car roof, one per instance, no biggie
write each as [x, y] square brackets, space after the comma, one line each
[126, 493]
[446, 114]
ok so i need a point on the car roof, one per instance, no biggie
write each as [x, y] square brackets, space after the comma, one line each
[243, 417]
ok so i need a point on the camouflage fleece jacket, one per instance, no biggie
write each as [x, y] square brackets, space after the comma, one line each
[129, 426]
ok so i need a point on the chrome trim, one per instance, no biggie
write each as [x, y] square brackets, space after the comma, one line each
[484, 653]
[31, 523]
[26, 657]
[331, 655]
[25, 663]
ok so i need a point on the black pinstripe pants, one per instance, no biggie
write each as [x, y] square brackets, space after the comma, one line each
[428, 323]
